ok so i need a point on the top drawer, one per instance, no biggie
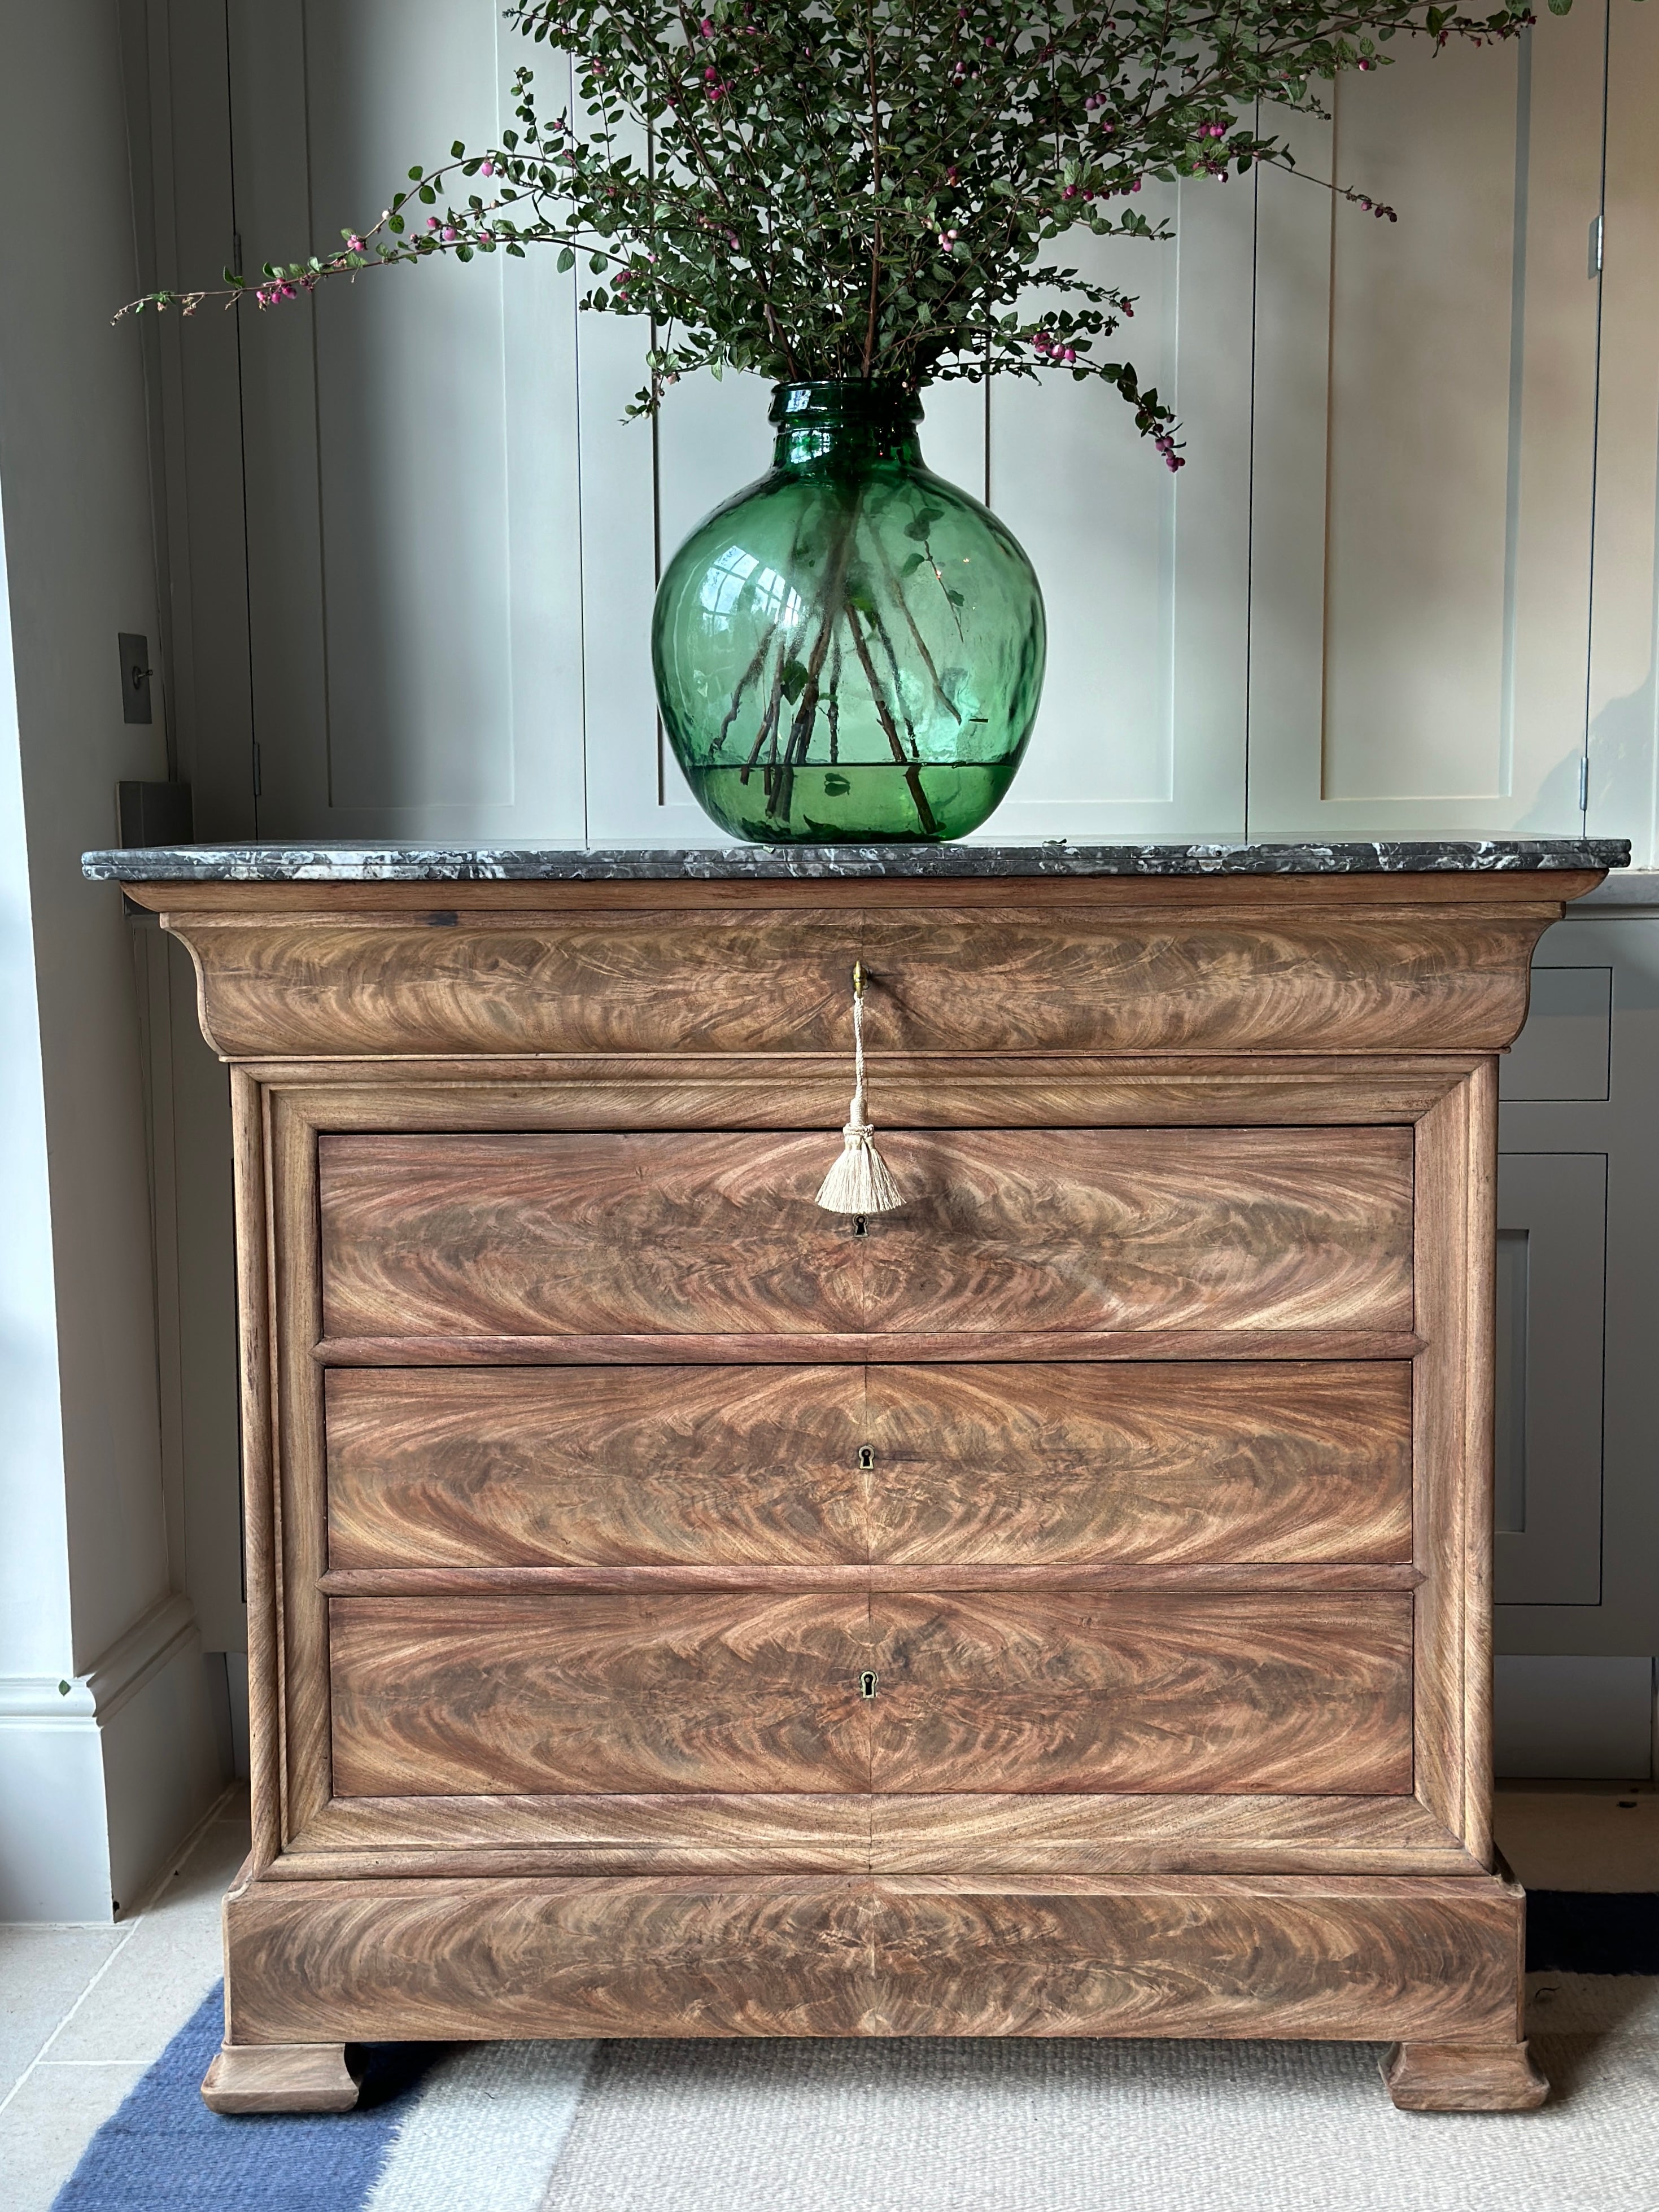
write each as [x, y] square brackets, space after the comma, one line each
[697, 1233]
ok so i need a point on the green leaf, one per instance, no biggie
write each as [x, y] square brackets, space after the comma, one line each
[567, 262]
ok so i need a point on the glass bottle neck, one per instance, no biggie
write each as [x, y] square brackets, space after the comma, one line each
[844, 426]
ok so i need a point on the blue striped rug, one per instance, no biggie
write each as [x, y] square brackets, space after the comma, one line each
[438, 2128]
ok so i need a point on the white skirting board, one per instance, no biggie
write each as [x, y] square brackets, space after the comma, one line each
[101, 1775]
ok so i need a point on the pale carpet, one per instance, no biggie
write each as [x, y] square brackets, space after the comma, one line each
[1033, 2126]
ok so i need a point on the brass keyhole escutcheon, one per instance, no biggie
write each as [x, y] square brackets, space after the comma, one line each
[867, 1683]
[860, 1226]
[867, 1456]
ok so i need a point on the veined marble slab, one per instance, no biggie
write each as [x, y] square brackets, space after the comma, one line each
[394, 863]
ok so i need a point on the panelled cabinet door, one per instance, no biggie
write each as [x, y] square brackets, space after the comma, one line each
[1622, 686]
[411, 451]
[1424, 449]
[1552, 1291]
[1146, 575]
[1371, 584]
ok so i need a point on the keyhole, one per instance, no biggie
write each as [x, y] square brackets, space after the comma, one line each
[867, 1684]
[867, 1456]
[860, 1226]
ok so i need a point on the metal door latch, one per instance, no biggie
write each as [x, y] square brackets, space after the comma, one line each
[867, 1683]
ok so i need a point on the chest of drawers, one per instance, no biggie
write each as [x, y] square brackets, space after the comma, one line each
[1058, 1607]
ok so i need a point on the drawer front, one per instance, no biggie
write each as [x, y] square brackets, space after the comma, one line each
[1040, 1465]
[1294, 975]
[1003, 1229]
[1051, 1692]
[1138, 1692]
[577, 1466]
[1055, 1465]
[504, 1695]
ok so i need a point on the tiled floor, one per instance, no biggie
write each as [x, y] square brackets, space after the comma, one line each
[83, 2011]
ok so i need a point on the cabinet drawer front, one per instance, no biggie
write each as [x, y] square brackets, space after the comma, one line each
[1066, 1691]
[1004, 1229]
[505, 1695]
[1056, 1692]
[573, 1466]
[1055, 1465]
[1106, 1228]
[1038, 1465]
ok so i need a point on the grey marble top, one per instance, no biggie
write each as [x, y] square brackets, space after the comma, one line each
[279, 864]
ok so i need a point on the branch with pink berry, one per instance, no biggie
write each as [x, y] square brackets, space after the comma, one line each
[872, 188]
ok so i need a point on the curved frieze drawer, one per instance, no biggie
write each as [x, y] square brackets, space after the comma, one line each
[648, 1233]
[1331, 967]
[1035, 1465]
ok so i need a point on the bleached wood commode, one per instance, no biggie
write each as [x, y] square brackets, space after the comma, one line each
[1059, 1608]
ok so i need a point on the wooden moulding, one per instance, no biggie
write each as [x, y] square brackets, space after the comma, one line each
[1455, 2077]
[1338, 975]
[779, 1831]
[1198, 1580]
[280, 2077]
[261, 1516]
[808, 1091]
[1452, 1403]
[1031, 1344]
[1417, 1961]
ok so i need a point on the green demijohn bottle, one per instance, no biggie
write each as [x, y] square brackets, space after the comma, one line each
[851, 650]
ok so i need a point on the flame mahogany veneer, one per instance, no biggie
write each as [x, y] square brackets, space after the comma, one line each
[1061, 1607]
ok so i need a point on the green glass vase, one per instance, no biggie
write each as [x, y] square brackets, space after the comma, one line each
[851, 650]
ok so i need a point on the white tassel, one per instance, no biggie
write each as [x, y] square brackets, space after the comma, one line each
[860, 1182]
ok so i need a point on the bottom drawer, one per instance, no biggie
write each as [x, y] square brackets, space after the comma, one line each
[1054, 1690]
[1369, 1959]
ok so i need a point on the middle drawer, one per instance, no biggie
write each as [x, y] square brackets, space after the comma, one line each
[1032, 1464]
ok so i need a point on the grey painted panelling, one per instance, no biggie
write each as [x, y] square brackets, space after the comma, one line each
[412, 448]
[1553, 1205]
[1424, 449]
[1573, 1718]
[1565, 1050]
[1367, 598]
[1551, 1173]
